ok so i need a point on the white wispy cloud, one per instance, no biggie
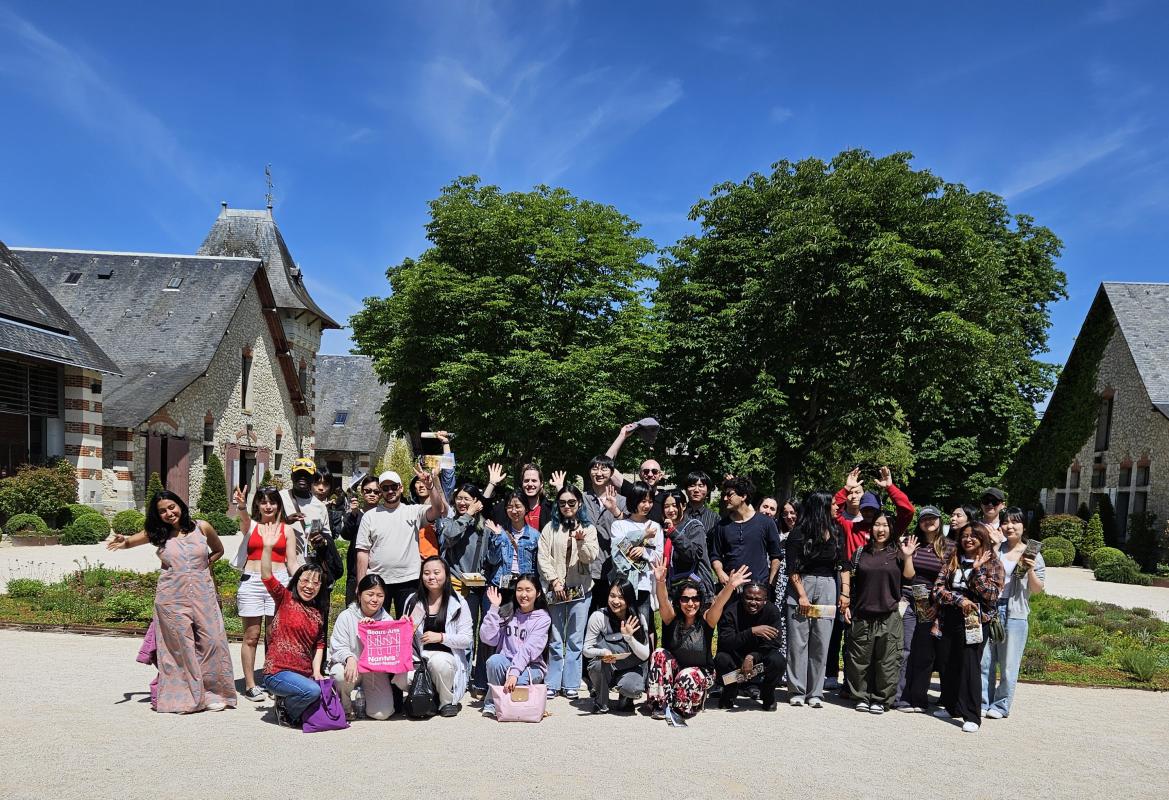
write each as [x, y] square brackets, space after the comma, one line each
[1066, 158]
[489, 95]
[64, 78]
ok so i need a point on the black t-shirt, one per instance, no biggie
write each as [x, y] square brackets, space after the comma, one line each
[824, 560]
[876, 586]
[690, 646]
[435, 623]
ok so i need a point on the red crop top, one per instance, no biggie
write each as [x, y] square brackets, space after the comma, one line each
[256, 546]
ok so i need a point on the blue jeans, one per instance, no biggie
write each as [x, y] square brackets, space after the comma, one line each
[299, 692]
[497, 667]
[1005, 656]
[564, 656]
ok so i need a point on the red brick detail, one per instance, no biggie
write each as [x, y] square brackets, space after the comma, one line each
[98, 430]
[123, 435]
[82, 451]
[76, 427]
[123, 455]
[165, 418]
[73, 404]
[76, 381]
[123, 475]
[89, 474]
[97, 406]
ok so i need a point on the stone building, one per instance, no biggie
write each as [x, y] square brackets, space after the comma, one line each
[350, 438]
[52, 377]
[216, 353]
[1127, 455]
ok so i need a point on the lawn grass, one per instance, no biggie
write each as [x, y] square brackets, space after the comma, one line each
[1074, 642]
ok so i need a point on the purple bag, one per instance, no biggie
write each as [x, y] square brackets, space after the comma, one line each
[327, 714]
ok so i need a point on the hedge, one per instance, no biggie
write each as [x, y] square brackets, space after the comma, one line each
[38, 490]
[1066, 526]
[86, 529]
[129, 522]
[1058, 551]
[1102, 554]
[26, 522]
[1121, 570]
[223, 524]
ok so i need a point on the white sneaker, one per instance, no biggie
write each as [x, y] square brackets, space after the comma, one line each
[862, 706]
[816, 702]
[796, 701]
[216, 706]
[970, 727]
[876, 708]
[993, 713]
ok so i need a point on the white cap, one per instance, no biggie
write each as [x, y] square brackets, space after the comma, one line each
[391, 476]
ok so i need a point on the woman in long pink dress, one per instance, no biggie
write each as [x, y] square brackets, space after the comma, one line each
[194, 662]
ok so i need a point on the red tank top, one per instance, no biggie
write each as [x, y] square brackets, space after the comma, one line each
[256, 546]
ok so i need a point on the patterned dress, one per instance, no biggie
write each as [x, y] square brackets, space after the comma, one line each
[194, 663]
[781, 581]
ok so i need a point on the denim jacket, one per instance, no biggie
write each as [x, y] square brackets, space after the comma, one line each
[500, 551]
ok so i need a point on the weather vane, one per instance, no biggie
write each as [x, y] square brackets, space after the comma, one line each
[268, 178]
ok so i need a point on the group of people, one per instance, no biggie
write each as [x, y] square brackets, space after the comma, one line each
[528, 588]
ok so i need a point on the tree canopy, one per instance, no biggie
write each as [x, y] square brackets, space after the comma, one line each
[522, 327]
[856, 310]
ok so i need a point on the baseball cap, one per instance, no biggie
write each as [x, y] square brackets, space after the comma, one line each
[997, 494]
[304, 465]
[389, 476]
[929, 511]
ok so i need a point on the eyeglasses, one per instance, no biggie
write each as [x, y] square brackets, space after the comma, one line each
[688, 598]
[651, 472]
[391, 487]
[990, 501]
[373, 490]
[567, 503]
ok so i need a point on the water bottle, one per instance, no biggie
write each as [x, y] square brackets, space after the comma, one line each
[359, 702]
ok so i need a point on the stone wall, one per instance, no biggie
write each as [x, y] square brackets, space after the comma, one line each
[1139, 436]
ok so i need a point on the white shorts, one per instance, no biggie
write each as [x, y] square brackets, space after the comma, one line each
[252, 599]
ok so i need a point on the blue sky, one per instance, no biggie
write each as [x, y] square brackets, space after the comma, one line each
[122, 125]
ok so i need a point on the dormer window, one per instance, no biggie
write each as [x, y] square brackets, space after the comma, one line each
[174, 283]
[73, 278]
[105, 273]
[341, 417]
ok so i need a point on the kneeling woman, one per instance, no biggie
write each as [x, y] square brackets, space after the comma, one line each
[520, 641]
[296, 645]
[968, 586]
[345, 651]
[442, 625]
[617, 642]
[681, 671]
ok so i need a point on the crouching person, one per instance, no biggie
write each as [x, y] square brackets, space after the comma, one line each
[442, 626]
[748, 637]
[345, 647]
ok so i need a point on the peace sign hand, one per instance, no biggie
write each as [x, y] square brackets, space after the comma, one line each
[240, 496]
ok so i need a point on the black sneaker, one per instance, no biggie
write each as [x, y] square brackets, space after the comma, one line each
[282, 718]
[600, 709]
[255, 694]
[451, 710]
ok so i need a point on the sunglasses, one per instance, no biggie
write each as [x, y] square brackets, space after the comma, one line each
[372, 490]
[391, 487]
[688, 598]
[567, 503]
[990, 501]
[651, 472]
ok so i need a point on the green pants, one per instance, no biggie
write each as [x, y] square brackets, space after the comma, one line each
[872, 659]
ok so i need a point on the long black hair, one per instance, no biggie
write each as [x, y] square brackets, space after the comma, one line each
[421, 595]
[817, 527]
[158, 531]
[891, 543]
[629, 594]
[370, 581]
[294, 585]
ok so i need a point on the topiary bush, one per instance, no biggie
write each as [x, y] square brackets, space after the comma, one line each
[87, 529]
[129, 522]
[1121, 570]
[1058, 551]
[128, 607]
[26, 522]
[26, 588]
[153, 487]
[1102, 554]
[223, 524]
[1065, 526]
[1093, 540]
[213, 497]
[73, 512]
[1108, 520]
[38, 490]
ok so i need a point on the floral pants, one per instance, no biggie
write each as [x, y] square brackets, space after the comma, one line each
[683, 689]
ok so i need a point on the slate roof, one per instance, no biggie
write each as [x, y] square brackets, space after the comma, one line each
[1142, 312]
[34, 324]
[348, 383]
[253, 234]
[161, 339]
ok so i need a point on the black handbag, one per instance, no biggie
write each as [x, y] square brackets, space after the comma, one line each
[422, 699]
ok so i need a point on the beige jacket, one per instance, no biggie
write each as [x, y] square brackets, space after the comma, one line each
[561, 557]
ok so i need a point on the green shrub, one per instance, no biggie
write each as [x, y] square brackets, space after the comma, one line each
[213, 498]
[1035, 658]
[1108, 521]
[128, 607]
[38, 490]
[1147, 613]
[1087, 645]
[129, 522]
[71, 606]
[153, 487]
[225, 575]
[1058, 551]
[26, 522]
[73, 512]
[1093, 540]
[1065, 526]
[87, 529]
[1142, 540]
[1102, 554]
[1121, 570]
[1141, 664]
[26, 588]
[223, 524]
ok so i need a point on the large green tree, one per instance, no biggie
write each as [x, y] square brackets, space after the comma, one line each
[855, 310]
[522, 328]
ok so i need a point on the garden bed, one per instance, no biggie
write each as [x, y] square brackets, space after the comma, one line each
[33, 540]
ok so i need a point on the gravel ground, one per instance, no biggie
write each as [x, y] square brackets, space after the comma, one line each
[86, 731]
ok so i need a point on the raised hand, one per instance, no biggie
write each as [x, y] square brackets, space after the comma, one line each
[739, 577]
[240, 496]
[660, 572]
[853, 479]
[474, 507]
[558, 478]
[609, 500]
[494, 597]
[443, 437]
[427, 478]
[982, 558]
[495, 474]
[269, 535]
[628, 428]
[909, 546]
[630, 625]
[886, 479]
[493, 526]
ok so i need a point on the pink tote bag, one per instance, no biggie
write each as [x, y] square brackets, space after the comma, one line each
[521, 704]
[387, 645]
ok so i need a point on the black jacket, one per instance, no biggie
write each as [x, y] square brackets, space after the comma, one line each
[734, 631]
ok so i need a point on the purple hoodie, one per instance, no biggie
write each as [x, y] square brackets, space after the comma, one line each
[522, 639]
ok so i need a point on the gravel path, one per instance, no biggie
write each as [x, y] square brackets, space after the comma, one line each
[86, 731]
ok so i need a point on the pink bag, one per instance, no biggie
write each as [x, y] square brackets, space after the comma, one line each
[521, 704]
[387, 645]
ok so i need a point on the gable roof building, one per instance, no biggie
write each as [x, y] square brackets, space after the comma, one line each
[350, 437]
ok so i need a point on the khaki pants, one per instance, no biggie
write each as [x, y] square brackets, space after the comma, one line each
[872, 660]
